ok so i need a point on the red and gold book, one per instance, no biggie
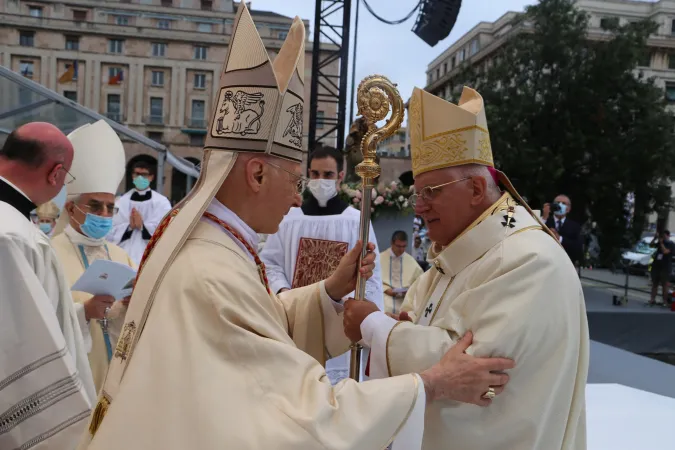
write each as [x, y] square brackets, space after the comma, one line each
[316, 260]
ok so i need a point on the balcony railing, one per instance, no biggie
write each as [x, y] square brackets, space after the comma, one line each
[197, 123]
[155, 119]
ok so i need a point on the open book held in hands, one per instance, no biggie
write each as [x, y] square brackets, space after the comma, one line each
[105, 277]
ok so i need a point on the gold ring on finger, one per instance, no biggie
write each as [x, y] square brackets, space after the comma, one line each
[490, 394]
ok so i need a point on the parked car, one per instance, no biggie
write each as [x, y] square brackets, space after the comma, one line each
[639, 258]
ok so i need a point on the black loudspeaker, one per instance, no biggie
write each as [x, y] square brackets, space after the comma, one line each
[436, 19]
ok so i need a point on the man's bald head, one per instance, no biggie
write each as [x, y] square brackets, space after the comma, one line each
[36, 158]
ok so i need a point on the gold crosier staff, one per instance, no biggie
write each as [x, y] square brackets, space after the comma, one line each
[375, 97]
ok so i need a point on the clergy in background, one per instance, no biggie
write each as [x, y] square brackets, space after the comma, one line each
[46, 388]
[497, 271]
[98, 168]
[399, 272]
[312, 239]
[139, 212]
[47, 213]
[209, 356]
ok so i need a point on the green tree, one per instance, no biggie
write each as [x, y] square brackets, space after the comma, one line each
[572, 115]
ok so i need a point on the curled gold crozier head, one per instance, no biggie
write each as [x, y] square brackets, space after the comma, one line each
[376, 97]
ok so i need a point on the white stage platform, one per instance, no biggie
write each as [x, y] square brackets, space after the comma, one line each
[624, 418]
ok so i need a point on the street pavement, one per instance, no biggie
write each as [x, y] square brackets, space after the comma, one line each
[602, 280]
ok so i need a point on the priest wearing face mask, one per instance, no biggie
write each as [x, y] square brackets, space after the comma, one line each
[87, 220]
[312, 239]
[47, 213]
[139, 212]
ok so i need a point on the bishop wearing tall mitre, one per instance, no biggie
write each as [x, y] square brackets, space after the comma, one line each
[209, 357]
[497, 271]
[98, 169]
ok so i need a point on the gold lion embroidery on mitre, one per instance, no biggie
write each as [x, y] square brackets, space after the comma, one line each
[445, 150]
[124, 344]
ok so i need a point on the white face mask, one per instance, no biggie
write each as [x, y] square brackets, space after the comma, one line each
[323, 190]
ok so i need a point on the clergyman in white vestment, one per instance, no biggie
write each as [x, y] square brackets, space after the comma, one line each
[139, 213]
[399, 272]
[98, 168]
[312, 239]
[46, 387]
[209, 356]
[497, 271]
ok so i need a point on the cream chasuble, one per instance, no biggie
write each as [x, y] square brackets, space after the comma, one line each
[397, 272]
[224, 364]
[77, 252]
[46, 388]
[514, 288]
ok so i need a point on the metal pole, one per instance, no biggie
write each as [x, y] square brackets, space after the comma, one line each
[380, 97]
[356, 38]
[161, 157]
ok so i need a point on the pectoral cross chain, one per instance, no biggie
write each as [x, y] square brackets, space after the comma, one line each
[429, 310]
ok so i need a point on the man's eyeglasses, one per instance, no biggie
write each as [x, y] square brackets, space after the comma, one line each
[69, 177]
[301, 182]
[427, 193]
[99, 208]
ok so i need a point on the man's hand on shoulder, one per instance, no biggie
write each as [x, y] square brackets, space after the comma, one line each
[355, 313]
[464, 378]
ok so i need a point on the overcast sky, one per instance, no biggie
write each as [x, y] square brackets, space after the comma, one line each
[394, 50]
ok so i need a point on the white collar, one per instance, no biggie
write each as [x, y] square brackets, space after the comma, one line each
[78, 238]
[15, 188]
[143, 192]
[559, 219]
[226, 215]
[392, 255]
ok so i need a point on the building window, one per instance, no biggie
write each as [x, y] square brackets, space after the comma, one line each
[121, 20]
[438, 73]
[197, 114]
[670, 92]
[70, 95]
[72, 43]
[157, 78]
[473, 47]
[200, 81]
[26, 68]
[35, 11]
[645, 59]
[204, 27]
[197, 140]
[445, 68]
[158, 49]
[453, 62]
[200, 52]
[604, 22]
[163, 24]
[114, 72]
[461, 55]
[207, 5]
[115, 46]
[168, 3]
[156, 136]
[114, 108]
[26, 38]
[319, 120]
[79, 15]
[283, 35]
[156, 110]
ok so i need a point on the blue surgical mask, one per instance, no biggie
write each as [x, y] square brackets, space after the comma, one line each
[46, 228]
[141, 183]
[96, 227]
